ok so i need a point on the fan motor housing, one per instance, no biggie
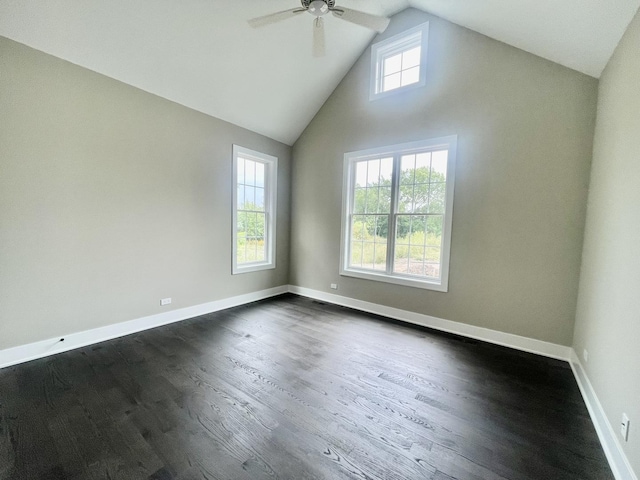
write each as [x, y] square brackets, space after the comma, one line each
[330, 3]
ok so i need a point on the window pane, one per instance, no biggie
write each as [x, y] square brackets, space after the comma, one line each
[376, 200]
[259, 198]
[241, 224]
[421, 187]
[249, 224]
[381, 227]
[384, 201]
[249, 198]
[372, 200]
[391, 82]
[434, 230]
[419, 229]
[380, 255]
[369, 241]
[373, 172]
[356, 254]
[410, 76]
[250, 172]
[360, 200]
[403, 227]
[252, 241]
[260, 225]
[411, 58]
[260, 250]
[407, 166]
[361, 174]
[359, 230]
[421, 175]
[259, 174]
[433, 254]
[423, 160]
[405, 199]
[392, 64]
[410, 250]
[386, 170]
[421, 198]
[433, 263]
[437, 197]
[366, 227]
[401, 258]
[439, 166]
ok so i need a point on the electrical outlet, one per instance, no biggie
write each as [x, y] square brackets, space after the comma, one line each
[165, 301]
[585, 355]
[624, 428]
[334, 286]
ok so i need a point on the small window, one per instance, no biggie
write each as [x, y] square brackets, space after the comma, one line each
[397, 213]
[399, 62]
[254, 210]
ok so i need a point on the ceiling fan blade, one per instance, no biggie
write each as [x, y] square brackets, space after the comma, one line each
[363, 19]
[274, 17]
[318, 37]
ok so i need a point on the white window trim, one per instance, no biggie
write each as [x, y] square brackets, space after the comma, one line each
[393, 45]
[271, 187]
[450, 143]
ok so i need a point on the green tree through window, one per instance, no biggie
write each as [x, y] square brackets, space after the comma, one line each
[398, 212]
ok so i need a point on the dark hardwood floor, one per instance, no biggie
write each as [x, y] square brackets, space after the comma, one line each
[290, 388]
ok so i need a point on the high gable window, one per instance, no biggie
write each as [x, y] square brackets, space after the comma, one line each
[397, 213]
[254, 210]
[399, 62]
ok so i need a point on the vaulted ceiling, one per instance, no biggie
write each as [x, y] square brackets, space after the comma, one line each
[202, 54]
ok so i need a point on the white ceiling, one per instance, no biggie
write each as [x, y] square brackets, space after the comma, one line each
[202, 53]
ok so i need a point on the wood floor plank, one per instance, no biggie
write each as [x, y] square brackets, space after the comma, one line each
[291, 388]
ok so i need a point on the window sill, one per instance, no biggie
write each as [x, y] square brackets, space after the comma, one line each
[254, 267]
[396, 91]
[396, 279]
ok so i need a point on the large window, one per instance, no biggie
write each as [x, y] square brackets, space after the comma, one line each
[397, 213]
[399, 62]
[254, 210]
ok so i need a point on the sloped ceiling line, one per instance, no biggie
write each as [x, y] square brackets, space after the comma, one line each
[202, 53]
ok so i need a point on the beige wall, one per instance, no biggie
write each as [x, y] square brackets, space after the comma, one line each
[524, 127]
[608, 314]
[112, 198]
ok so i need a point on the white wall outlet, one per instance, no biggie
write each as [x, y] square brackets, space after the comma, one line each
[585, 355]
[334, 286]
[165, 301]
[624, 428]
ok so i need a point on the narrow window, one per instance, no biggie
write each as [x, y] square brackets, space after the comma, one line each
[254, 210]
[397, 213]
[399, 62]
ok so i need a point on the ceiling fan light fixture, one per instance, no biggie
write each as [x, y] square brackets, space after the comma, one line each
[318, 8]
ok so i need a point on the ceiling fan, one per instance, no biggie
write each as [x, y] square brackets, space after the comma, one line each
[320, 8]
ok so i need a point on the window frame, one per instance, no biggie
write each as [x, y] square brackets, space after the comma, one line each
[348, 193]
[270, 200]
[392, 46]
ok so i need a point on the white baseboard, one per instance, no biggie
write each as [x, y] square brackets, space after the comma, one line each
[518, 342]
[613, 450]
[32, 351]
[618, 461]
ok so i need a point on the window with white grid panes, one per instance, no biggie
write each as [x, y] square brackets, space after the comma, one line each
[397, 211]
[254, 200]
[401, 69]
[399, 62]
